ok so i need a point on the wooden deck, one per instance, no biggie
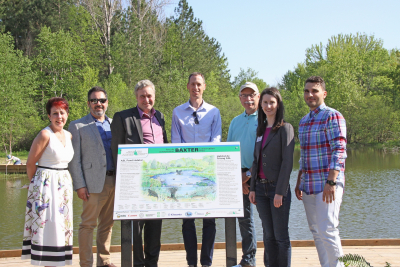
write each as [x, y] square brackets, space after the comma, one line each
[12, 168]
[377, 256]
[376, 251]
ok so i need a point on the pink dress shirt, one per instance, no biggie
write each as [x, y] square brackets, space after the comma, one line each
[151, 128]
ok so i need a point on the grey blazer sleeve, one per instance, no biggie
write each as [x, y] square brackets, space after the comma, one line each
[75, 165]
[287, 144]
[254, 167]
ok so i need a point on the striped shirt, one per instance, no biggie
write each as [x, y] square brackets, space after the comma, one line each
[322, 136]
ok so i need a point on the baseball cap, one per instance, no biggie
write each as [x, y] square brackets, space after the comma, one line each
[249, 85]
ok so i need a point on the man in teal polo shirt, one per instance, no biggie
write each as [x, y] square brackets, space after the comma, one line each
[243, 129]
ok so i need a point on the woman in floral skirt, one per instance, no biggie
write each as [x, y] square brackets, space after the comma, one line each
[47, 237]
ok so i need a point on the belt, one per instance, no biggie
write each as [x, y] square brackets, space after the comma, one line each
[245, 169]
[50, 168]
[264, 181]
[110, 173]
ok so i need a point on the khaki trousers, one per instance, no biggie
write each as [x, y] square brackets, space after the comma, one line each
[97, 211]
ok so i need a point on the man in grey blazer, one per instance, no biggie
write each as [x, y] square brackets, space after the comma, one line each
[93, 173]
[141, 125]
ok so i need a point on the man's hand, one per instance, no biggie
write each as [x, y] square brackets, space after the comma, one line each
[299, 193]
[252, 197]
[329, 193]
[83, 193]
[245, 186]
[278, 200]
[329, 190]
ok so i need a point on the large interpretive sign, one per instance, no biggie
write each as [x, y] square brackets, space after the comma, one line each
[196, 180]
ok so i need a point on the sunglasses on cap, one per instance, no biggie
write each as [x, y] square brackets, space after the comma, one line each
[95, 100]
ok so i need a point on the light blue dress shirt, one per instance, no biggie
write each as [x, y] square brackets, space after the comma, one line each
[105, 133]
[185, 130]
[243, 128]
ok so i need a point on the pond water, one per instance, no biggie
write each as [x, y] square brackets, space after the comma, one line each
[182, 185]
[185, 178]
[370, 207]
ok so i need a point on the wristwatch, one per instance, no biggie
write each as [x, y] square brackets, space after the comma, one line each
[330, 182]
[248, 173]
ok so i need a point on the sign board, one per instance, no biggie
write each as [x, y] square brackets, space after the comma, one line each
[191, 180]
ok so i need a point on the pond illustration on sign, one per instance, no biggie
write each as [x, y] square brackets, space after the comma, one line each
[179, 180]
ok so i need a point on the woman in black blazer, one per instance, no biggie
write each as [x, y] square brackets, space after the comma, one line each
[269, 188]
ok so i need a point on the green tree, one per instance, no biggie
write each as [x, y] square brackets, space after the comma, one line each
[355, 68]
[119, 96]
[394, 94]
[18, 115]
[137, 46]
[82, 31]
[24, 19]
[189, 49]
[249, 75]
[104, 14]
[62, 67]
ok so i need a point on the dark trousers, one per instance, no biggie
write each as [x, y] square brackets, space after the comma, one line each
[152, 242]
[190, 241]
[275, 223]
[248, 233]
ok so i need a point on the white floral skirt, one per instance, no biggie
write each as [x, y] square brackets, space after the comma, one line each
[48, 219]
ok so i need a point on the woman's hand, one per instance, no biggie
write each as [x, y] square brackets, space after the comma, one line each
[278, 200]
[252, 197]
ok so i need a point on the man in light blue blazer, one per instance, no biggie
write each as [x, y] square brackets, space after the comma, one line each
[93, 173]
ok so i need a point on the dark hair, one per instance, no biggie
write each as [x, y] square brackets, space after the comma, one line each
[195, 74]
[262, 118]
[58, 102]
[96, 89]
[316, 79]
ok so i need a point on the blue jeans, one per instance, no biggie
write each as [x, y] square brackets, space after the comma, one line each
[248, 233]
[190, 241]
[275, 222]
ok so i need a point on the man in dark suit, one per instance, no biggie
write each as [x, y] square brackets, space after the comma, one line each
[141, 125]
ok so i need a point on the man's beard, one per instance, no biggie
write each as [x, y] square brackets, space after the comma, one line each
[99, 112]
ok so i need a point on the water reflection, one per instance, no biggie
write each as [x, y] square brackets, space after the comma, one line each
[369, 210]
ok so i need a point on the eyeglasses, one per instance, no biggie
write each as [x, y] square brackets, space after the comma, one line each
[196, 120]
[95, 100]
[247, 95]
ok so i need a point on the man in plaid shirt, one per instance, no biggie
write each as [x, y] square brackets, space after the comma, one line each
[322, 135]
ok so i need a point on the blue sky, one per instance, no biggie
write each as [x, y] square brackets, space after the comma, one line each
[271, 37]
